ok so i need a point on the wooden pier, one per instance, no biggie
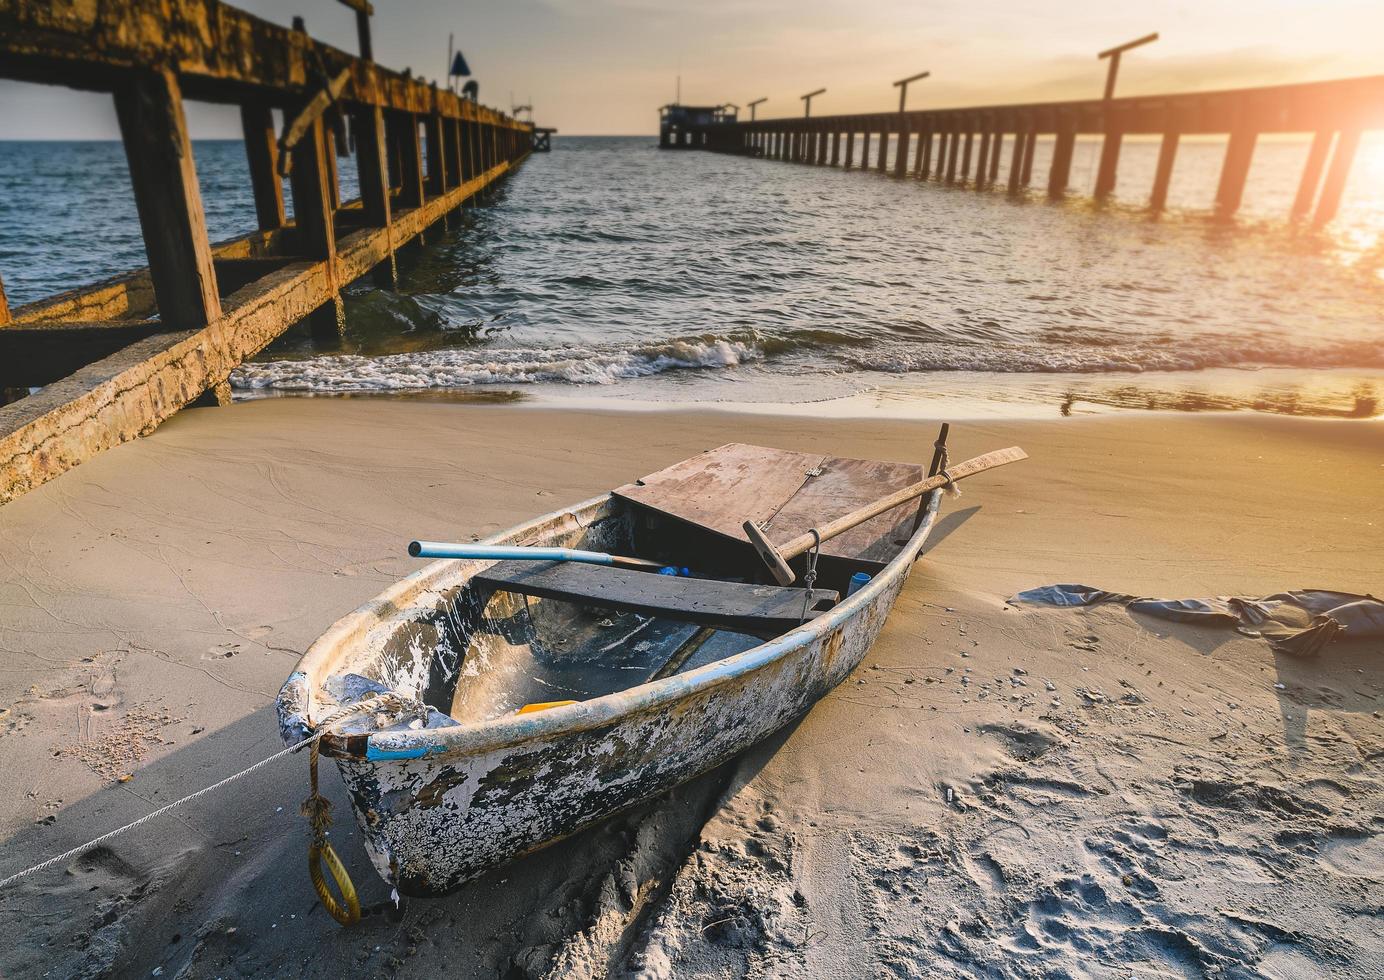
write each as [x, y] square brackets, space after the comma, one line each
[966, 146]
[112, 360]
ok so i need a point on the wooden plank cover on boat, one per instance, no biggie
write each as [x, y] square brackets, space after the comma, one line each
[784, 492]
[759, 610]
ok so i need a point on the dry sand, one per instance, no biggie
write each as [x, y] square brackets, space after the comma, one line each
[995, 792]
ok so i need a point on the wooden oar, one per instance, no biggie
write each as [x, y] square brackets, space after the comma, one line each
[440, 549]
[777, 557]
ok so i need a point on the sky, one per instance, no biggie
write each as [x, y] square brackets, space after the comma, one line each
[605, 66]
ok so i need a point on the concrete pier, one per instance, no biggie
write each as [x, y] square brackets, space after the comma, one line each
[946, 143]
[111, 361]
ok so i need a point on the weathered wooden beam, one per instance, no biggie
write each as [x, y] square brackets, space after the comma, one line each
[410, 161]
[1060, 174]
[437, 182]
[234, 274]
[996, 148]
[1016, 162]
[1163, 174]
[451, 152]
[921, 159]
[835, 147]
[901, 153]
[850, 149]
[983, 160]
[1239, 153]
[882, 162]
[33, 355]
[149, 108]
[262, 154]
[1311, 174]
[1030, 147]
[953, 152]
[1346, 146]
[1109, 161]
[333, 175]
[314, 221]
[372, 164]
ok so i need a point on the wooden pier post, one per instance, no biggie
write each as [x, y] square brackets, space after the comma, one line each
[983, 160]
[882, 163]
[1163, 175]
[865, 150]
[953, 149]
[372, 164]
[1311, 174]
[966, 155]
[149, 107]
[1060, 174]
[901, 151]
[996, 148]
[1109, 161]
[437, 160]
[922, 157]
[835, 147]
[315, 231]
[1346, 145]
[1016, 161]
[1030, 147]
[850, 149]
[1239, 152]
[410, 156]
[262, 154]
[451, 153]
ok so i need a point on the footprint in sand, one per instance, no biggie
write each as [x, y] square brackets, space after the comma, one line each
[1359, 857]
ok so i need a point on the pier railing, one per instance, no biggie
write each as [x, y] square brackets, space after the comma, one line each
[114, 359]
[944, 143]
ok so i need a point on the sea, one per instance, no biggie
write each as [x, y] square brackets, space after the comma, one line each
[612, 273]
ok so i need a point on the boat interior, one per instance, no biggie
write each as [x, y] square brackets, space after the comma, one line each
[520, 636]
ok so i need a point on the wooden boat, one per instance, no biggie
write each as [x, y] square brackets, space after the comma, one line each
[657, 677]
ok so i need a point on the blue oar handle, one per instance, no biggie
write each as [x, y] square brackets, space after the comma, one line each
[501, 552]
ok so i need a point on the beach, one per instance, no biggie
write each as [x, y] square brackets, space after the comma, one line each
[1127, 796]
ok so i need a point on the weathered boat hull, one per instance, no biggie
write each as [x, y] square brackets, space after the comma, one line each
[438, 807]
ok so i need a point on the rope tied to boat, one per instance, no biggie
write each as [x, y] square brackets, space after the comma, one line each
[318, 809]
[308, 743]
[810, 576]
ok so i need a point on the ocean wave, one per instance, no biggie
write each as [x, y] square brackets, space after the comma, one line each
[1189, 355]
[456, 368]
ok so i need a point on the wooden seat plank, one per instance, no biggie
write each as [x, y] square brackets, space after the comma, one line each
[759, 610]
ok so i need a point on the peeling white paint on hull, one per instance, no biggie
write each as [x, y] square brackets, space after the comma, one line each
[439, 806]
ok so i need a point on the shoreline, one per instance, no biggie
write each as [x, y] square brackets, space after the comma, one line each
[1344, 394]
[159, 594]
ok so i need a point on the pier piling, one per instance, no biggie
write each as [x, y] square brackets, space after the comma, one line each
[1337, 110]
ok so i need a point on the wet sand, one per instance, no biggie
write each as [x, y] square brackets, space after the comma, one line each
[1101, 794]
